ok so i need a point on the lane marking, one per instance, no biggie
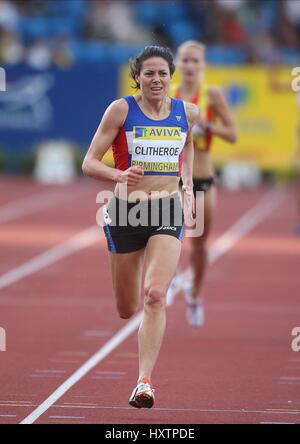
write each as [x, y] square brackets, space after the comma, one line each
[270, 201]
[106, 378]
[292, 378]
[16, 405]
[35, 203]
[91, 406]
[80, 404]
[283, 410]
[289, 382]
[73, 354]
[113, 343]
[277, 423]
[16, 402]
[64, 361]
[46, 376]
[253, 217]
[8, 416]
[170, 409]
[67, 417]
[80, 241]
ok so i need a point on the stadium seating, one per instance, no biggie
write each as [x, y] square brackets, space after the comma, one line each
[222, 55]
[176, 22]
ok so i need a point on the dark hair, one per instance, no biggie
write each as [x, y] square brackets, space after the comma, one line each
[148, 52]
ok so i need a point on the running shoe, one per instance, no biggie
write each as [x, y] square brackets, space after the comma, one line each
[195, 309]
[142, 395]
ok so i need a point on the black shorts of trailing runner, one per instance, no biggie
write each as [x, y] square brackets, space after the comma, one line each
[203, 184]
[129, 225]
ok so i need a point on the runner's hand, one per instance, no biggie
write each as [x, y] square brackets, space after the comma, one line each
[132, 176]
[189, 205]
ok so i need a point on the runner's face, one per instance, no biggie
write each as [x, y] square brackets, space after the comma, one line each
[191, 63]
[154, 78]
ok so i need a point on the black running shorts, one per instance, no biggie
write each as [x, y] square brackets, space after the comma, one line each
[129, 225]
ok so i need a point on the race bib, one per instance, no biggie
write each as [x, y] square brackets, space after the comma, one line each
[157, 149]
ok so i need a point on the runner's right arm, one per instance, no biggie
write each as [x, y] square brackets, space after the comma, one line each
[106, 133]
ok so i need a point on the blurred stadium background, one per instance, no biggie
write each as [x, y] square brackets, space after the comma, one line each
[66, 60]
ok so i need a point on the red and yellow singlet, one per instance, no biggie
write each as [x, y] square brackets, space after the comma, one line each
[202, 138]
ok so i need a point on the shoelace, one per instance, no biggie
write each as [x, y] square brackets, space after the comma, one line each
[146, 386]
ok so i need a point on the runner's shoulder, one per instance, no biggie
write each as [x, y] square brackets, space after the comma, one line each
[215, 93]
[192, 113]
[117, 110]
[119, 105]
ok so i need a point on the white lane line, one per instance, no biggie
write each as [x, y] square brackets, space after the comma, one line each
[243, 226]
[34, 203]
[113, 343]
[88, 406]
[5, 404]
[66, 417]
[46, 376]
[246, 223]
[64, 361]
[289, 382]
[78, 242]
[170, 409]
[8, 416]
[292, 378]
[106, 378]
[234, 234]
[277, 423]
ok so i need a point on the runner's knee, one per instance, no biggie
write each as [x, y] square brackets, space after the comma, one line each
[155, 297]
[126, 311]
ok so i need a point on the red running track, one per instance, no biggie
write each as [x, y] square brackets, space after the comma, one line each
[239, 368]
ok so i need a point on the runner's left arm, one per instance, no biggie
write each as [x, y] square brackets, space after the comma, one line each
[187, 162]
[193, 115]
[225, 128]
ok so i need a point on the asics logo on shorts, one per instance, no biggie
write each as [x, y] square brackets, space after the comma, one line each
[166, 228]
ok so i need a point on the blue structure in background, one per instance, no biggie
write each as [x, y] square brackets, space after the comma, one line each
[68, 103]
[237, 95]
[55, 103]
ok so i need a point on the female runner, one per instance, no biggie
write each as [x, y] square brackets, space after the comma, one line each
[152, 147]
[211, 101]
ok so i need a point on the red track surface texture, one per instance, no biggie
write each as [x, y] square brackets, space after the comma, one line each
[239, 368]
